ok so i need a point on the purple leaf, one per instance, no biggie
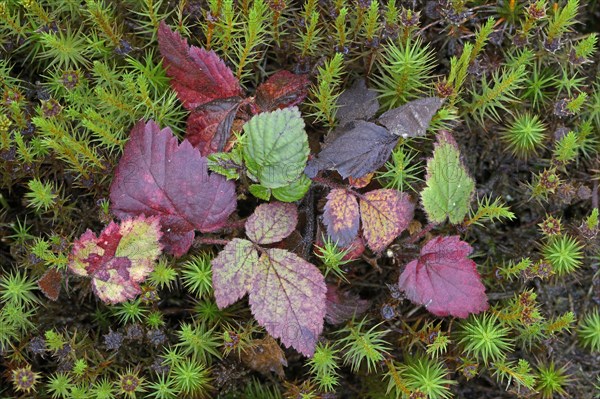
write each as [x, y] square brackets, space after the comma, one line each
[341, 217]
[233, 271]
[158, 177]
[271, 222]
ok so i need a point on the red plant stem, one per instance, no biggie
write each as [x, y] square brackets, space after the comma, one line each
[210, 241]
[421, 233]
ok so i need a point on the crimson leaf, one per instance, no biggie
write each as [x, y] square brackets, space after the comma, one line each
[444, 280]
[156, 176]
[198, 76]
[209, 125]
[282, 89]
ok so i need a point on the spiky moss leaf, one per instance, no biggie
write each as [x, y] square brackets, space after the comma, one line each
[449, 186]
[276, 147]
[119, 259]
[234, 271]
[198, 76]
[157, 176]
[385, 214]
[444, 280]
[341, 217]
[288, 299]
[271, 222]
[294, 191]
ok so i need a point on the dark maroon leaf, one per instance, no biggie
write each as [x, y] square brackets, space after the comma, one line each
[50, 284]
[343, 305]
[198, 76]
[444, 280]
[209, 125]
[282, 89]
[157, 176]
[358, 102]
[411, 119]
[362, 148]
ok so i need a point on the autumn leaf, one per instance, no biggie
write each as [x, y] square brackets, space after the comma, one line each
[282, 89]
[209, 125]
[198, 76]
[119, 259]
[444, 280]
[358, 102]
[385, 214]
[50, 284]
[158, 177]
[288, 299]
[343, 305]
[411, 119]
[361, 148]
[341, 216]
[271, 222]
[233, 271]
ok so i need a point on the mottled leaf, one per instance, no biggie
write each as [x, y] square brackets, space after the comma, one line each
[343, 305]
[361, 182]
[233, 271]
[276, 147]
[209, 125]
[358, 102]
[119, 259]
[449, 186]
[385, 214]
[341, 216]
[444, 280]
[198, 76]
[271, 222]
[158, 177]
[361, 149]
[282, 89]
[288, 299]
[411, 119]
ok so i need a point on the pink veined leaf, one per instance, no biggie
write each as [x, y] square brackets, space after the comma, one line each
[209, 126]
[385, 214]
[444, 280]
[198, 76]
[282, 89]
[272, 222]
[288, 299]
[341, 217]
[158, 177]
[343, 305]
[119, 259]
[234, 271]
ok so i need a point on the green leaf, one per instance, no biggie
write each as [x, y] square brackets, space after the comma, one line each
[449, 186]
[226, 164]
[260, 192]
[276, 147]
[295, 191]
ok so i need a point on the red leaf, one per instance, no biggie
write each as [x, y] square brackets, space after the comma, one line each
[282, 89]
[444, 280]
[50, 284]
[343, 305]
[288, 299]
[272, 222]
[209, 126]
[156, 176]
[341, 217]
[198, 76]
[385, 214]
